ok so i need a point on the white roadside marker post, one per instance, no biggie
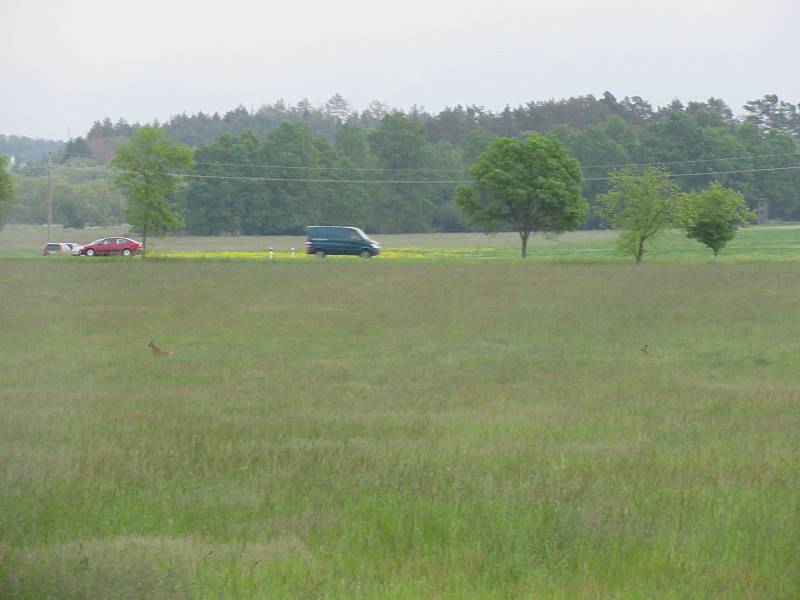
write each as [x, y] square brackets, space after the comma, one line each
[270, 251]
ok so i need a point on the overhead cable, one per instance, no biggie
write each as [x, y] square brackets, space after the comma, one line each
[708, 173]
[286, 179]
[608, 166]
[392, 181]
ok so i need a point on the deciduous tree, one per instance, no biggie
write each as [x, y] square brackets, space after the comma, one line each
[711, 216]
[146, 170]
[530, 183]
[640, 206]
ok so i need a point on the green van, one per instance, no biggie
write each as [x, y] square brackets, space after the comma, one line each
[330, 239]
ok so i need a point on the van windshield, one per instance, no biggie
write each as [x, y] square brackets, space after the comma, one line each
[336, 233]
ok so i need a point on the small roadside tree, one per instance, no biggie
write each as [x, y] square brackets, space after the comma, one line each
[6, 188]
[532, 184]
[641, 206]
[711, 216]
[146, 168]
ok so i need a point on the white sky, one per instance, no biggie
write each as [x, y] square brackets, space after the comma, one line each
[65, 64]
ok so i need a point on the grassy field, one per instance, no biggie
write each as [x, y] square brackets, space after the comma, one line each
[399, 429]
[771, 243]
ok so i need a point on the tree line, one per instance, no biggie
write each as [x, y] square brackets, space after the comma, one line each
[83, 195]
[452, 124]
[529, 184]
[23, 148]
[280, 167]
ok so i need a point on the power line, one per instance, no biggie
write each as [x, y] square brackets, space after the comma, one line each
[675, 162]
[77, 154]
[223, 164]
[460, 182]
[286, 179]
[392, 181]
[710, 173]
[327, 168]
[376, 169]
[699, 160]
[194, 176]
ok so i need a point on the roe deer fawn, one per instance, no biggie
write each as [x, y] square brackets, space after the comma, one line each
[158, 351]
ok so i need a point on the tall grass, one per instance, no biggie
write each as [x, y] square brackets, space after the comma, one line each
[368, 429]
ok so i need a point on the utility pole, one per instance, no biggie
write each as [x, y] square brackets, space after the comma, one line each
[762, 210]
[49, 196]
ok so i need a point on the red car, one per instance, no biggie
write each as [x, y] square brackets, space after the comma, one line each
[112, 245]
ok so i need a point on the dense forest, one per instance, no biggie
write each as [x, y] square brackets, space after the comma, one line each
[278, 168]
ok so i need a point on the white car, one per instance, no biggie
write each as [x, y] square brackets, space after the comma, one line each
[61, 248]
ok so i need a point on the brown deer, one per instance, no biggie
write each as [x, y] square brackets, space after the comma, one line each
[158, 351]
[647, 352]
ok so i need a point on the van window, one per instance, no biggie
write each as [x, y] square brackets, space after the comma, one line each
[318, 233]
[329, 233]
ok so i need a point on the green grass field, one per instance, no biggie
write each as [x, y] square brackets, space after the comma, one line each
[770, 243]
[402, 428]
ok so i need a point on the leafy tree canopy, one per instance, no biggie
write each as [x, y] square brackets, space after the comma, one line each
[530, 183]
[640, 206]
[146, 168]
[756, 154]
[711, 216]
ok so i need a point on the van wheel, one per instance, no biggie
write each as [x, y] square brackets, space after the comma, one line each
[319, 254]
[90, 252]
[365, 253]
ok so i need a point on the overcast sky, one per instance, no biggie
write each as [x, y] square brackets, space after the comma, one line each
[65, 64]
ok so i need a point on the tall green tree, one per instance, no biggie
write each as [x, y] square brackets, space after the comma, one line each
[774, 113]
[532, 184]
[218, 206]
[711, 216]
[641, 206]
[146, 174]
[286, 207]
[599, 148]
[400, 148]
[338, 108]
[6, 188]
[351, 142]
[400, 142]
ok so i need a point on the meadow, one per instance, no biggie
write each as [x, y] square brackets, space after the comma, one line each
[770, 243]
[400, 427]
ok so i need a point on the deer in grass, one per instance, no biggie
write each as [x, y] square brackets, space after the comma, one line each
[158, 351]
[647, 352]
